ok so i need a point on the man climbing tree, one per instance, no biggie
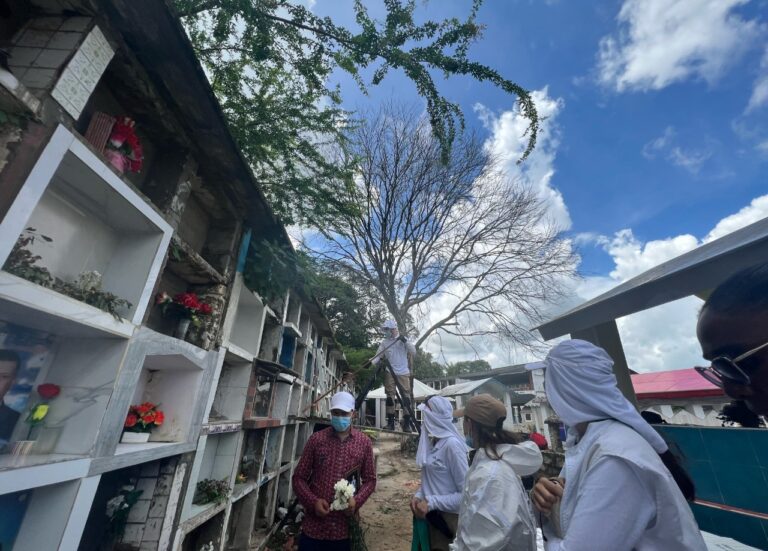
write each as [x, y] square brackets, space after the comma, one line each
[399, 352]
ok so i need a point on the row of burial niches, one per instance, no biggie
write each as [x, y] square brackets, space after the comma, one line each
[55, 387]
[88, 237]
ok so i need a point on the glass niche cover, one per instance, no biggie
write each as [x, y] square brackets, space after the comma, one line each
[53, 393]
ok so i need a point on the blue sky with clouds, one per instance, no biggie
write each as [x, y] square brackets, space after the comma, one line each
[657, 131]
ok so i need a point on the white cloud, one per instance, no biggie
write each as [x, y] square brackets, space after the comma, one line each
[756, 210]
[666, 146]
[759, 95]
[660, 42]
[508, 141]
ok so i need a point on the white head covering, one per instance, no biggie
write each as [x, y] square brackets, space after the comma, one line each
[581, 387]
[436, 422]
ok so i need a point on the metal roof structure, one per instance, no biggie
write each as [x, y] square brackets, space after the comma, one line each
[673, 385]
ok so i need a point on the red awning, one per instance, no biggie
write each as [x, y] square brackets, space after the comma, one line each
[682, 383]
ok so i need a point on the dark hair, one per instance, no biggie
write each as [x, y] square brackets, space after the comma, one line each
[681, 477]
[652, 418]
[10, 356]
[738, 412]
[490, 437]
[745, 291]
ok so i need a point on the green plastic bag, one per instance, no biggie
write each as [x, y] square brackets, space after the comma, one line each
[420, 540]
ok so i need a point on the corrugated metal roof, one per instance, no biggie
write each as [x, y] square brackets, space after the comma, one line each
[467, 387]
[681, 383]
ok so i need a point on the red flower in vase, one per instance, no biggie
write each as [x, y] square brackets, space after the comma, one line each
[148, 418]
[159, 418]
[48, 391]
[131, 420]
[206, 309]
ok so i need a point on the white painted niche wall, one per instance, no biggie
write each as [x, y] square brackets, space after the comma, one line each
[96, 221]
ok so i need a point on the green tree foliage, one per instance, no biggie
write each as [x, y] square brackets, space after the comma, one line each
[468, 366]
[269, 62]
[425, 367]
[354, 315]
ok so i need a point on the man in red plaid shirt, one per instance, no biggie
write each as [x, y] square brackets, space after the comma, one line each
[335, 453]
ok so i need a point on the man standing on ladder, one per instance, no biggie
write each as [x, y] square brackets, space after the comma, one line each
[397, 355]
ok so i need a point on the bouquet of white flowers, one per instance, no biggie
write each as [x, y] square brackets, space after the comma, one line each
[344, 491]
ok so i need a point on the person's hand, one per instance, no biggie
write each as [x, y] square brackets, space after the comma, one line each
[322, 508]
[402, 339]
[414, 502]
[546, 492]
[422, 508]
[351, 507]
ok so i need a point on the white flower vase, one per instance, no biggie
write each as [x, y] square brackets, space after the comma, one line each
[182, 328]
[135, 438]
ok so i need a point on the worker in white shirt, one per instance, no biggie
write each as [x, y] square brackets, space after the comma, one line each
[396, 354]
[495, 511]
[442, 458]
[620, 489]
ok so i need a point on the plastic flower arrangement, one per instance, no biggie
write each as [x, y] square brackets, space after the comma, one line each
[183, 305]
[47, 392]
[143, 418]
[123, 147]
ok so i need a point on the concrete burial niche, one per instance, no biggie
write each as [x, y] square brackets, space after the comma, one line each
[231, 392]
[85, 370]
[244, 324]
[95, 221]
[215, 460]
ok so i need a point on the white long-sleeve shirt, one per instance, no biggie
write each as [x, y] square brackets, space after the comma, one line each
[495, 512]
[397, 355]
[619, 496]
[443, 475]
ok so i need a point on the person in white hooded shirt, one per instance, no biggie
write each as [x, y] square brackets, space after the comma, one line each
[620, 488]
[442, 458]
[495, 512]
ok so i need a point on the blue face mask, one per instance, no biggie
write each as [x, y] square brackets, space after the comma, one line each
[340, 424]
[468, 440]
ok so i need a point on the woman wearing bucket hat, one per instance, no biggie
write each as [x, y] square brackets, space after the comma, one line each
[495, 512]
[621, 488]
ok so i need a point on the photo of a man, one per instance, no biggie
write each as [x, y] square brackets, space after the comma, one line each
[9, 367]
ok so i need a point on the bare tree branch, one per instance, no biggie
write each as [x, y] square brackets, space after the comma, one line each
[460, 233]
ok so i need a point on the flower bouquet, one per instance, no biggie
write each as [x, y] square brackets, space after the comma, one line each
[344, 490]
[187, 307]
[123, 148]
[140, 421]
[118, 508]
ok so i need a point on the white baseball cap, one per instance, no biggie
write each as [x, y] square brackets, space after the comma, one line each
[389, 324]
[343, 401]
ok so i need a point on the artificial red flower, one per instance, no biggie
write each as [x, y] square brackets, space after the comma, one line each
[48, 391]
[143, 409]
[206, 309]
[159, 418]
[149, 418]
[131, 420]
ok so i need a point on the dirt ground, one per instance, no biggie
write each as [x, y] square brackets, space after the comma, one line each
[387, 515]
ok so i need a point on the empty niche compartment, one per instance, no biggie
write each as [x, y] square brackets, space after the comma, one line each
[245, 319]
[93, 222]
[282, 396]
[265, 511]
[83, 371]
[260, 392]
[288, 443]
[296, 394]
[283, 490]
[231, 392]
[273, 451]
[24, 514]
[172, 382]
[301, 439]
[253, 454]
[271, 339]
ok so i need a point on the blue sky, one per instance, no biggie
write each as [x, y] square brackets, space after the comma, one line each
[659, 115]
